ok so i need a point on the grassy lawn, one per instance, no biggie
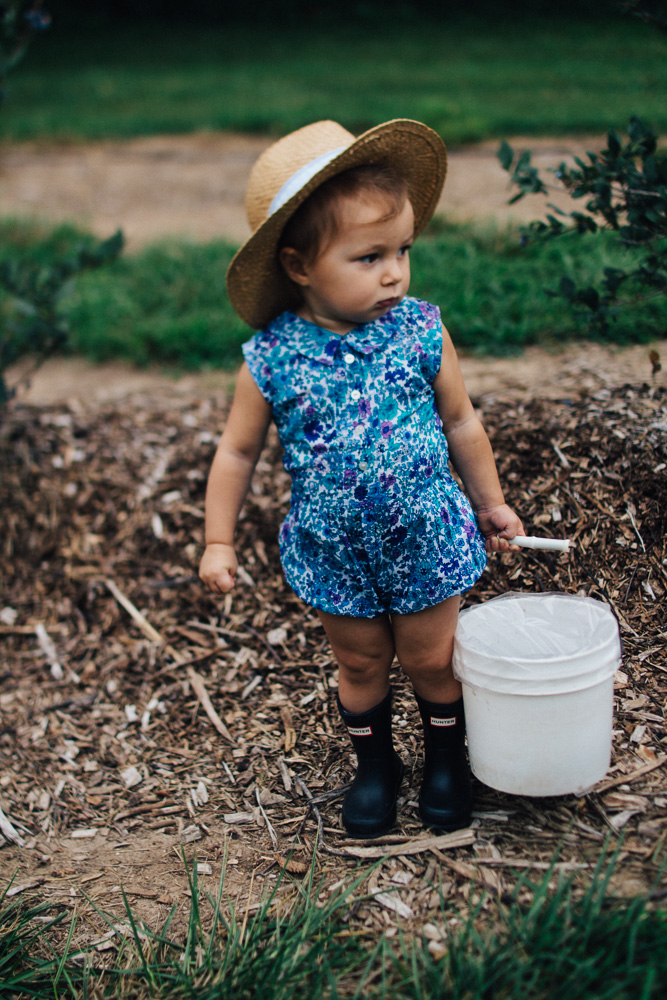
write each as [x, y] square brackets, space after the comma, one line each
[470, 79]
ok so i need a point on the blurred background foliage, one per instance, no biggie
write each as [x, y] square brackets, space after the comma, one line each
[473, 70]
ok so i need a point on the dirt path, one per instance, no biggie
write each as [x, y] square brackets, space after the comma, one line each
[192, 186]
[536, 373]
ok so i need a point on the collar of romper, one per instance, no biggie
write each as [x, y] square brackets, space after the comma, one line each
[323, 346]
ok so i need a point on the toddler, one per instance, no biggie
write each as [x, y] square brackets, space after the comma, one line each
[364, 386]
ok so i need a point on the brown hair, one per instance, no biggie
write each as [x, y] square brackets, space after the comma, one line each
[315, 223]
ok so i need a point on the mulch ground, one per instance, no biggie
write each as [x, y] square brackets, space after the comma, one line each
[136, 708]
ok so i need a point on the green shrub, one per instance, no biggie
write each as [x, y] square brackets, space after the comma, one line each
[626, 190]
[35, 281]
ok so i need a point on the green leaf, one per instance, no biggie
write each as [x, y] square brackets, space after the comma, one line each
[613, 145]
[642, 136]
[505, 155]
[523, 163]
[111, 248]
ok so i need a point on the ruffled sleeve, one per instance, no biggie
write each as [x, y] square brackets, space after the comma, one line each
[257, 354]
[426, 328]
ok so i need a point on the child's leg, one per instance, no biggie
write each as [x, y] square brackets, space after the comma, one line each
[424, 643]
[364, 649]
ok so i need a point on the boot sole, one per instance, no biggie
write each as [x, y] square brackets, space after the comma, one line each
[439, 821]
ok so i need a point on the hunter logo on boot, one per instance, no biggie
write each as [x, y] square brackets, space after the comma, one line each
[442, 723]
[360, 731]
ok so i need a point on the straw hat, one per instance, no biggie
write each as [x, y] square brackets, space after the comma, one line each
[289, 171]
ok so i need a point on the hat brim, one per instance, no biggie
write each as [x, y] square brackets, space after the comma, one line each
[258, 287]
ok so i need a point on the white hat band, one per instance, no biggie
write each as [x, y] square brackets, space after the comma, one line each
[294, 183]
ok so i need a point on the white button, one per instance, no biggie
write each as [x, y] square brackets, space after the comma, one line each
[363, 466]
[355, 394]
[349, 359]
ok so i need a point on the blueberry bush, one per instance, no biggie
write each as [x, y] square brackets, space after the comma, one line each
[624, 189]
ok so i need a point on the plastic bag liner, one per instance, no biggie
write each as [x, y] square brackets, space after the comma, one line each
[536, 644]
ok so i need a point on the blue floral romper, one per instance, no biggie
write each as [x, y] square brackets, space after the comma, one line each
[377, 524]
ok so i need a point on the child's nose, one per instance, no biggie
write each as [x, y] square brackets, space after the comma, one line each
[393, 272]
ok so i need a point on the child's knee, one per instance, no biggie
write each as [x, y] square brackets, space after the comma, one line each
[360, 667]
[431, 666]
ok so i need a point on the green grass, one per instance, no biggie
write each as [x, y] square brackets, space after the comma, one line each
[27, 967]
[549, 942]
[167, 305]
[468, 78]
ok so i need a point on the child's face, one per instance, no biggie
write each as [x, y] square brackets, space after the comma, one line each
[363, 272]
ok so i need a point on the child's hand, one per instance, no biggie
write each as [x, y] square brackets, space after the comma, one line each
[497, 524]
[218, 567]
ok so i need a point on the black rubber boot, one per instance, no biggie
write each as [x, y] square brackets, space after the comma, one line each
[369, 808]
[445, 799]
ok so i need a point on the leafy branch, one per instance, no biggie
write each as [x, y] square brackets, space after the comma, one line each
[626, 187]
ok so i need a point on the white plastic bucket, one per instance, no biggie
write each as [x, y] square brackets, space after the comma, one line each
[538, 683]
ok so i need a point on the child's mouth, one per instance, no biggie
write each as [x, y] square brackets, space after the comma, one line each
[388, 303]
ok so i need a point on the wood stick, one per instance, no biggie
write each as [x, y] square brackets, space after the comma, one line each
[134, 613]
[605, 785]
[460, 838]
[8, 831]
[196, 680]
[199, 688]
[272, 832]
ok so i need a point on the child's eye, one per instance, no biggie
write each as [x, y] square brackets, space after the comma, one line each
[369, 258]
[404, 250]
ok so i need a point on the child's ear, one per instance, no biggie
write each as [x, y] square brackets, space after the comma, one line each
[293, 265]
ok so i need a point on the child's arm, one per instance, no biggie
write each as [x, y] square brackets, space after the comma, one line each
[229, 479]
[471, 453]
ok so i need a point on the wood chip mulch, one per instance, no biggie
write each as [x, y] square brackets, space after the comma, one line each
[134, 703]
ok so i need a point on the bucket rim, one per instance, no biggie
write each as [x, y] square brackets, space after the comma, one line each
[524, 693]
[531, 661]
[601, 608]
[519, 595]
